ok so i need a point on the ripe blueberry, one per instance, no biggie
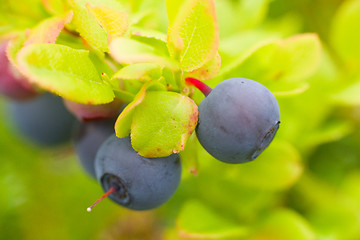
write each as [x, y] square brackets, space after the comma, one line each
[134, 181]
[43, 119]
[87, 140]
[237, 120]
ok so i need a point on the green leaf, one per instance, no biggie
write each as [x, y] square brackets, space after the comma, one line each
[348, 96]
[209, 70]
[345, 33]
[56, 7]
[290, 92]
[150, 37]
[14, 47]
[86, 24]
[148, 33]
[132, 77]
[260, 173]
[193, 36]
[102, 67]
[284, 224]
[139, 71]
[189, 156]
[162, 123]
[199, 222]
[123, 122]
[64, 71]
[237, 16]
[113, 21]
[281, 65]
[48, 30]
[129, 51]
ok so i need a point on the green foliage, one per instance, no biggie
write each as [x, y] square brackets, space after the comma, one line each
[190, 224]
[193, 33]
[345, 33]
[304, 186]
[52, 68]
[162, 123]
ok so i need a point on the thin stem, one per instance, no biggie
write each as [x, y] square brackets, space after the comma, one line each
[205, 89]
[111, 190]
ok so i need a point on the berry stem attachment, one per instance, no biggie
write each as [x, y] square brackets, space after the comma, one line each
[205, 89]
[111, 190]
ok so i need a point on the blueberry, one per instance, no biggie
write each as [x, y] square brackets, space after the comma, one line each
[141, 183]
[87, 140]
[44, 119]
[237, 120]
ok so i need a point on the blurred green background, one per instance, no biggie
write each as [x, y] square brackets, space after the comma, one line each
[304, 186]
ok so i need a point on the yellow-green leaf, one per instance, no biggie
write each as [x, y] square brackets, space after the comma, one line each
[65, 71]
[86, 24]
[209, 70]
[197, 221]
[345, 30]
[114, 22]
[281, 65]
[284, 224]
[129, 51]
[162, 123]
[48, 30]
[193, 36]
[123, 122]
[260, 174]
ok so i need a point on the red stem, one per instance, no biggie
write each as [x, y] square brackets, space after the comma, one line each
[111, 190]
[205, 89]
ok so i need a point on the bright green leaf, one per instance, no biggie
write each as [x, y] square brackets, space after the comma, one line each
[345, 33]
[193, 36]
[129, 51]
[189, 156]
[14, 47]
[162, 123]
[349, 95]
[132, 77]
[281, 65]
[260, 173]
[284, 224]
[151, 37]
[65, 71]
[197, 221]
[113, 21]
[48, 30]
[209, 70]
[139, 71]
[125, 96]
[123, 122]
[56, 7]
[85, 23]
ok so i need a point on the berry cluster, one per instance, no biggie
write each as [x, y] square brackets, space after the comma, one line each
[237, 120]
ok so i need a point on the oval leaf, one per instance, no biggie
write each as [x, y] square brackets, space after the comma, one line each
[123, 123]
[198, 221]
[130, 51]
[64, 71]
[86, 24]
[193, 37]
[208, 70]
[113, 21]
[282, 65]
[345, 33]
[281, 156]
[48, 30]
[162, 123]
